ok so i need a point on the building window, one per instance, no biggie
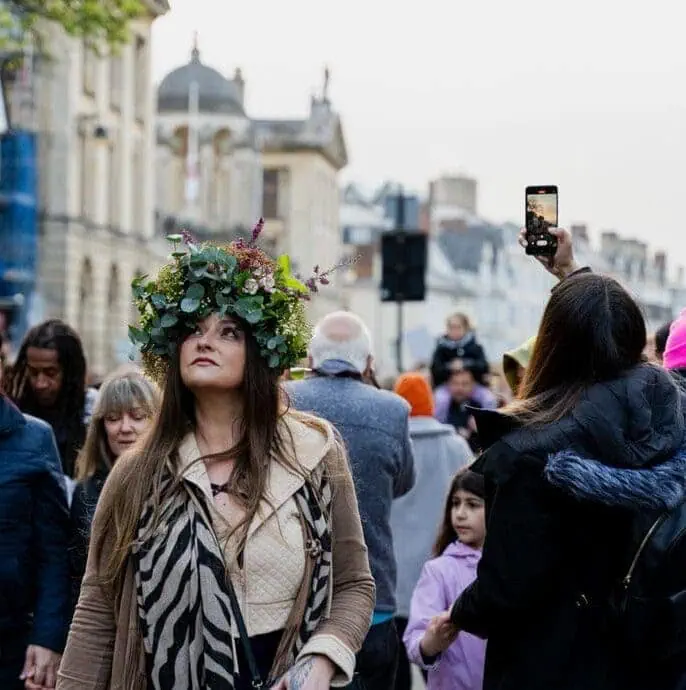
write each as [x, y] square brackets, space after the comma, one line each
[113, 180]
[220, 192]
[141, 77]
[86, 176]
[270, 194]
[90, 66]
[116, 81]
[85, 312]
[114, 318]
[137, 192]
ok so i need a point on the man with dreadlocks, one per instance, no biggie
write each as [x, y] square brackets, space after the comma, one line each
[48, 381]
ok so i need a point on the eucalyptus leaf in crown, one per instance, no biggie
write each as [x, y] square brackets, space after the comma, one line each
[236, 279]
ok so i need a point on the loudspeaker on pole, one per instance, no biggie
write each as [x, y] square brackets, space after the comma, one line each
[403, 260]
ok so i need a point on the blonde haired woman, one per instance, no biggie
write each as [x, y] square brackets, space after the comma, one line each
[126, 404]
[227, 549]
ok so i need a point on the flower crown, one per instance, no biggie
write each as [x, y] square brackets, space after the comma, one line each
[236, 279]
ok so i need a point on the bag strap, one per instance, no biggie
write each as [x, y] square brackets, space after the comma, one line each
[256, 678]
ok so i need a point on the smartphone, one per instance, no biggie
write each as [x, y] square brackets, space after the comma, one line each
[541, 214]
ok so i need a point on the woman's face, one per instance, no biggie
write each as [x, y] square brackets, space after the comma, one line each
[213, 357]
[122, 429]
[468, 519]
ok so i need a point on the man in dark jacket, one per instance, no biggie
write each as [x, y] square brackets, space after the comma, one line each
[34, 565]
[375, 427]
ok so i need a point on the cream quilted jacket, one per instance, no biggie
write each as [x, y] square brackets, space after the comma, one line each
[274, 557]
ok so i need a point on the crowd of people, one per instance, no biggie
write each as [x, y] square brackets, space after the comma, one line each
[208, 520]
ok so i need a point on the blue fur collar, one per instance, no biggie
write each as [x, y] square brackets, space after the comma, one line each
[661, 487]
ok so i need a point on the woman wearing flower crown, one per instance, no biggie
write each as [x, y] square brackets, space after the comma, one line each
[227, 550]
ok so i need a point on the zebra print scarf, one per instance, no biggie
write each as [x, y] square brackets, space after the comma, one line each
[183, 603]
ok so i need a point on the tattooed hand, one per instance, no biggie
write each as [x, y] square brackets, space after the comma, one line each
[310, 673]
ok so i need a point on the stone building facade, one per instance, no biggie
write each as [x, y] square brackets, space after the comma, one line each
[95, 118]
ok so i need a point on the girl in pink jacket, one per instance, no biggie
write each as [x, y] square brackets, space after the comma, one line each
[457, 551]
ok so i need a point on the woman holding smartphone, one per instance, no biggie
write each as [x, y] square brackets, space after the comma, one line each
[570, 467]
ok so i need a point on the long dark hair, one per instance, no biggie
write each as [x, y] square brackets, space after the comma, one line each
[592, 330]
[67, 414]
[261, 439]
[464, 480]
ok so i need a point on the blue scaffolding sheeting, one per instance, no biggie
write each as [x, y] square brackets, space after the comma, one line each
[18, 225]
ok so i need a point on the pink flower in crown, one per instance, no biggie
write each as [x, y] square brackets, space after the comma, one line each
[267, 283]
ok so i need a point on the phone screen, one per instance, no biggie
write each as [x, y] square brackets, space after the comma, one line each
[541, 215]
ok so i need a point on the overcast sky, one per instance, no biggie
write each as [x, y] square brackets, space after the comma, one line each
[586, 94]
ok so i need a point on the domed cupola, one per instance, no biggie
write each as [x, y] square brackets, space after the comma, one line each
[216, 93]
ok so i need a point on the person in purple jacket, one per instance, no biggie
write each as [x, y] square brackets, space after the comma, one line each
[458, 664]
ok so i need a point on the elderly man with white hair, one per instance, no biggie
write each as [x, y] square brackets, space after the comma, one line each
[374, 425]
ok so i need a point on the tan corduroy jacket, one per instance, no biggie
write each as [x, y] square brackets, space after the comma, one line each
[105, 650]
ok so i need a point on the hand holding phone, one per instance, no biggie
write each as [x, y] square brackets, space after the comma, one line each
[562, 263]
[541, 215]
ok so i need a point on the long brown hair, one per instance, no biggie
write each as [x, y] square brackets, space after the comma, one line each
[592, 330]
[261, 439]
[122, 391]
[466, 480]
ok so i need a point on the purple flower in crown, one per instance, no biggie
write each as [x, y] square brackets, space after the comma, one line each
[256, 231]
[320, 277]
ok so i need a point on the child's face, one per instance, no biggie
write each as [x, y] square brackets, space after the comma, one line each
[456, 329]
[468, 519]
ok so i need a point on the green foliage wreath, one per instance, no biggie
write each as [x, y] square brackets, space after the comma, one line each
[236, 279]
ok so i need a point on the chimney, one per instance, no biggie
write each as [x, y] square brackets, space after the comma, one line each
[610, 246]
[240, 84]
[680, 276]
[364, 265]
[661, 266]
[454, 190]
[579, 233]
